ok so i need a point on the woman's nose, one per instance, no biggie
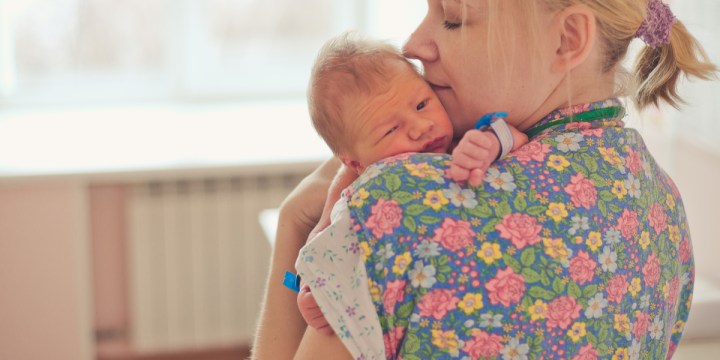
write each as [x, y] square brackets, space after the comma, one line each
[421, 45]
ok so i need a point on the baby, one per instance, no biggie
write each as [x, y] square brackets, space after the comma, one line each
[368, 102]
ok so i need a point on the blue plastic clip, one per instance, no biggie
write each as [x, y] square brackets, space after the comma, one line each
[292, 281]
[486, 119]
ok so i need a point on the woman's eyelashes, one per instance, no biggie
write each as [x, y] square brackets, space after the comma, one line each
[451, 25]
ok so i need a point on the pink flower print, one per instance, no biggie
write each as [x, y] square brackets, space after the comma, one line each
[392, 341]
[628, 224]
[684, 251]
[483, 345]
[520, 229]
[506, 287]
[672, 290]
[632, 161]
[582, 191]
[385, 217]
[394, 293]
[616, 288]
[562, 311]
[454, 235]
[641, 325]
[657, 218]
[437, 303]
[532, 151]
[586, 353]
[651, 270]
[582, 267]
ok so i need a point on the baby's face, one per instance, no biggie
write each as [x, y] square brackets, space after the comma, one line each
[404, 116]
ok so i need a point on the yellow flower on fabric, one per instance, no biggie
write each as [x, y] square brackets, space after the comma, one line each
[635, 286]
[620, 354]
[644, 239]
[622, 323]
[402, 262]
[557, 211]
[678, 327]
[366, 249]
[555, 248]
[670, 201]
[375, 291]
[447, 340]
[619, 189]
[435, 199]
[674, 233]
[611, 156]
[470, 303]
[424, 170]
[558, 162]
[538, 310]
[577, 331]
[358, 198]
[489, 252]
[594, 240]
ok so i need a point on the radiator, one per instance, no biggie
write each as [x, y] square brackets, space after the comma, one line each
[198, 259]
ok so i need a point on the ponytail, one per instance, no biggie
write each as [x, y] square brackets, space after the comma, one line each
[658, 69]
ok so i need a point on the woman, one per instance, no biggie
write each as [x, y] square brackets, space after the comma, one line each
[577, 245]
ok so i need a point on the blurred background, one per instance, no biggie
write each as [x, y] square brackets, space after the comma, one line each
[142, 142]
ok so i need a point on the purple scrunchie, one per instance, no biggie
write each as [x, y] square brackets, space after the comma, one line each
[655, 29]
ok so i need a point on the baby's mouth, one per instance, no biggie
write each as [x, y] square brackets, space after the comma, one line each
[437, 145]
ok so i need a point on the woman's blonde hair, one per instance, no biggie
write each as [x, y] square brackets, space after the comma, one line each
[346, 66]
[657, 70]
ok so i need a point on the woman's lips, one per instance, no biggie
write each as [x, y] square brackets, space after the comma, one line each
[436, 87]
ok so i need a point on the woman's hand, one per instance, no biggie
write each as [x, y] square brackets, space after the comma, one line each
[345, 176]
[303, 208]
[281, 326]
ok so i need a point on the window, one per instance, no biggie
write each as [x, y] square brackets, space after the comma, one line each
[75, 51]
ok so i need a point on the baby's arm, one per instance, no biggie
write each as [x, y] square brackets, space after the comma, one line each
[476, 151]
[309, 308]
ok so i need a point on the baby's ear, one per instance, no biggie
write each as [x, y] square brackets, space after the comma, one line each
[352, 164]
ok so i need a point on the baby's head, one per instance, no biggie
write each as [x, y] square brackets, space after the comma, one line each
[368, 103]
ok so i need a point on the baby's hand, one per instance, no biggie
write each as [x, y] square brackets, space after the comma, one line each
[310, 311]
[476, 151]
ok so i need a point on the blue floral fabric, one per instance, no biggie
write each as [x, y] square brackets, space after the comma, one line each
[576, 246]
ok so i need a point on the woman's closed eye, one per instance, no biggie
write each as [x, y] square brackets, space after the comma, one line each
[451, 25]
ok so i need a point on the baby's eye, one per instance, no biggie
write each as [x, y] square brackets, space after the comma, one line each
[391, 130]
[421, 105]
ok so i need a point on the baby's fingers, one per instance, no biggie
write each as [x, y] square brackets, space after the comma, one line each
[476, 176]
[458, 173]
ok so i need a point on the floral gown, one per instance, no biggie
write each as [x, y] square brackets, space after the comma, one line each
[576, 246]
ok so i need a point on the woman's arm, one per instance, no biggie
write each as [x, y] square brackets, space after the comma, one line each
[316, 346]
[281, 327]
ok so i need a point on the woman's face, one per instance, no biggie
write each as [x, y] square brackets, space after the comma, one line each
[474, 70]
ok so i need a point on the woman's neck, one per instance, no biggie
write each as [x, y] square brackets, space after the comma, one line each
[572, 90]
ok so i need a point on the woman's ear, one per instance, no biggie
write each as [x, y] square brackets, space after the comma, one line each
[578, 32]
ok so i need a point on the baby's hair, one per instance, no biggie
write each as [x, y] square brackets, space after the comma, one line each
[658, 69]
[346, 66]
